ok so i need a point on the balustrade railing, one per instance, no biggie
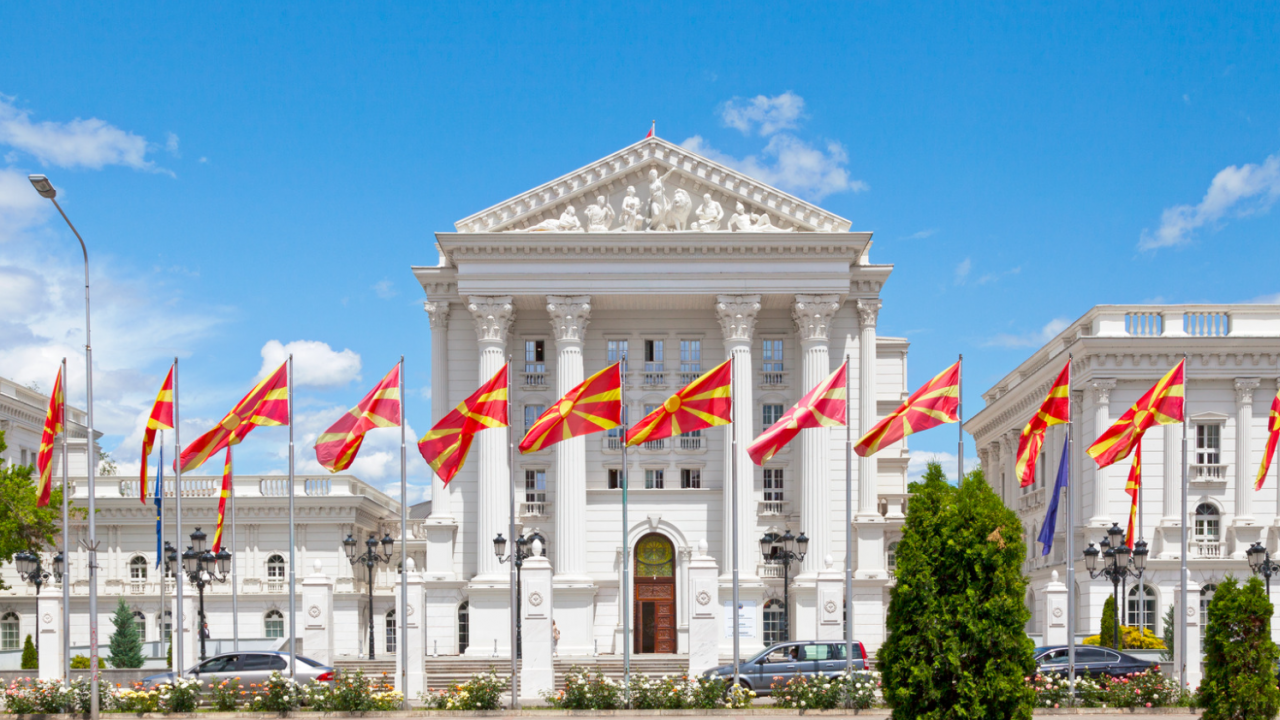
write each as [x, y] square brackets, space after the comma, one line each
[1206, 549]
[274, 487]
[1206, 324]
[773, 379]
[690, 442]
[1206, 472]
[317, 487]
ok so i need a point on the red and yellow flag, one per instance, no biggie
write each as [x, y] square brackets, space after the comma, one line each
[222, 502]
[337, 446]
[161, 418]
[703, 403]
[594, 405]
[1132, 486]
[823, 406]
[446, 444]
[1273, 435]
[1055, 410]
[266, 404]
[53, 425]
[1162, 405]
[937, 402]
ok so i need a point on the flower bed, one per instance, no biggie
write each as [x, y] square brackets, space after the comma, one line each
[1148, 689]
[585, 690]
[481, 692]
[813, 693]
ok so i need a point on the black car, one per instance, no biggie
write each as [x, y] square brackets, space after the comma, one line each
[814, 658]
[1091, 661]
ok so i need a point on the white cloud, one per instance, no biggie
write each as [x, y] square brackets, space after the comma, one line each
[1236, 191]
[790, 164]
[992, 277]
[385, 289]
[1032, 340]
[1272, 299]
[91, 143]
[315, 364]
[768, 115]
[171, 144]
[919, 461]
[922, 234]
[962, 270]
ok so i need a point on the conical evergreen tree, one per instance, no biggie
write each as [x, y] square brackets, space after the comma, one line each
[126, 645]
[1107, 636]
[957, 645]
[1239, 655]
[30, 658]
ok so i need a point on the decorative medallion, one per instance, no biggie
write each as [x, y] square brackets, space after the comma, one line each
[830, 607]
[314, 611]
[48, 618]
[1057, 612]
[535, 598]
[1191, 612]
[409, 610]
[704, 597]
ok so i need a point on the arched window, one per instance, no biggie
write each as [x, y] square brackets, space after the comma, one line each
[1208, 523]
[140, 620]
[1140, 610]
[275, 573]
[1206, 597]
[138, 569]
[273, 624]
[464, 627]
[166, 630]
[9, 631]
[775, 623]
[391, 631]
[891, 558]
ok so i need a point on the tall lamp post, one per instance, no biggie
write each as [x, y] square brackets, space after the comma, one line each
[524, 550]
[1119, 563]
[202, 568]
[370, 559]
[46, 190]
[32, 571]
[1260, 563]
[783, 550]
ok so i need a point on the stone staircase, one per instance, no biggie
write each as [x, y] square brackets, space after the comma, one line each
[442, 671]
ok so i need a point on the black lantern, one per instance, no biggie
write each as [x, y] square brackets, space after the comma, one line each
[524, 549]
[370, 558]
[349, 547]
[1119, 563]
[202, 567]
[782, 550]
[1260, 563]
[500, 546]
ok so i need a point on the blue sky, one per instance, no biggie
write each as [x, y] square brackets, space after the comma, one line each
[250, 176]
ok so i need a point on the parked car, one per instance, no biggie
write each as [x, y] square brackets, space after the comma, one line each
[812, 658]
[1091, 661]
[250, 667]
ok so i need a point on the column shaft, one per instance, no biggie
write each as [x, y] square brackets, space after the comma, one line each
[439, 315]
[569, 321]
[868, 310]
[1101, 421]
[737, 314]
[1244, 462]
[813, 321]
[493, 315]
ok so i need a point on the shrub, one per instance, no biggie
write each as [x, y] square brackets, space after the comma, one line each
[78, 695]
[80, 662]
[26, 696]
[137, 699]
[1240, 657]
[1135, 690]
[126, 644]
[1107, 637]
[664, 693]
[1133, 638]
[30, 658]
[1170, 623]
[481, 692]
[225, 696]
[180, 696]
[584, 690]
[277, 694]
[803, 693]
[353, 692]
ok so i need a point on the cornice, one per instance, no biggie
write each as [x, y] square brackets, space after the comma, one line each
[683, 246]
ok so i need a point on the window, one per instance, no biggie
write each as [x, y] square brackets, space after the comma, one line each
[222, 663]
[771, 414]
[535, 486]
[531, 415]
[273, 624]
[1207, 523]
[9, 631]
[24, 456]
[391, 629]
[618, 353]
[773, 484]
[617, 431]
[1041, 468]
[1206, 597]
[653, 479]
[891, 558]
[140, 620]
[464, 625]
[1140, 611]
[275, 568]
[262, 661]
[691, 358]
[1208, 444]
[166, 630]
[138, 569]
[772, 356]
[774, 623]
[535, 356]
[615, 478]
[690, 478]
[653, 359]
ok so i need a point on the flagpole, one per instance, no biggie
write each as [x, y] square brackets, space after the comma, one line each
[158, 492]
[733, 454]
[66, 528]
[235, 595]
[177, 526]
[1071, 549]
[848, 526]
[960, 419]
[515, 549]
[404, 550]
[293, 600]
[1182, 589]
[626, 562]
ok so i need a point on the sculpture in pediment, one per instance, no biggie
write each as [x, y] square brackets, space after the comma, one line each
[599, 216]
[568, 222]
[709, 214]
[631, 218]
[678, 213]
[658, 203]
[742, 221]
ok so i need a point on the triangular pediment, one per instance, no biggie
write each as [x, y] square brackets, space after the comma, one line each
[684, 180]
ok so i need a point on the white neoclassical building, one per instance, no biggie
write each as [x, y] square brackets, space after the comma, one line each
[1120, 351]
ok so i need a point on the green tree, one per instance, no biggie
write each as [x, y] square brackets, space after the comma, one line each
[30, 658]
[168, 656]
[1239, 655]
[1170, 622]
[1108, 634]
[23, 526]
[126, 645]
[957, 645]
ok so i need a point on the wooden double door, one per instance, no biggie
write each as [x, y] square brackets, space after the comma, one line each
[655, 595]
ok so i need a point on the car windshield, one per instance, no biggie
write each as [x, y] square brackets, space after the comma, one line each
[308, 661]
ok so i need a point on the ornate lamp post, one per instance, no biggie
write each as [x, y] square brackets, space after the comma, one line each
[202, 568]
[1119, 563]
[1260, 563]
[370, 559]
[782, 550]
[32, 571]
[524, 550]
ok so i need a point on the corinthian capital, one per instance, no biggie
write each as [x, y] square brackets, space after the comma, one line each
[868, 311]
[737, 315]
[1245, 388]
[813, 314]
[438, 313]
[1102, 390]
[493, 315]
[569, 316]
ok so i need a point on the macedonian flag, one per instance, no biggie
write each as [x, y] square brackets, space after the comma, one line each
[266, 404]
[1273, 435]
[1133, 486]
[1162, 405]
[703, 403]
[1055, 410]
[594, 405]
[161, 418]
[222, 502]
[337, 446]
[445, 445]
[53, 425]
[937, 402]
[823, 406]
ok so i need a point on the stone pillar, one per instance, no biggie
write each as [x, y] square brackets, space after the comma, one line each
[704, 622]
[493, 316]
[317, 618]
[190, 638]
[1101, 421]
[812, 314]
[737, 314]
[868, 311]
[1055, 612]
[438, 312]
[413, 652]
[1171, 514]
[830, 610]
[537, 669]
[49, 634]
[1193, 651]
[1244, 524]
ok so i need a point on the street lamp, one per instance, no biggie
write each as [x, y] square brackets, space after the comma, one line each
[525, 549]
[1119, 563]
[782, 550]
[202, 567]
[31, 570]
[370, 558]
[46, 190]
[1260, 563]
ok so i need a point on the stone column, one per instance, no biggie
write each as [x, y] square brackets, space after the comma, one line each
[830, 610]
[537, 668]
[413, 652]
[1171, 514]
[569, 317]
[737, 314]
[438, 312]
[493, 316]
[1245, 525]
[704, 623]
[49, 629]
[1101, 421]
[812, 315]
[1055, 612]
[190, 639]
[1193, 650]
[868, 311]
[317, 618]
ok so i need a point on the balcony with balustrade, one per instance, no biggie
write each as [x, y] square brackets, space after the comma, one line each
[269, 486]
[689, 443]
[654, 376]
[534, 377]
[1210, 475]
[773, 379]
[774, 509]
[1206, 549]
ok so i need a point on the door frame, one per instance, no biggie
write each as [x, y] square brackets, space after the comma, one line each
[636, 638]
